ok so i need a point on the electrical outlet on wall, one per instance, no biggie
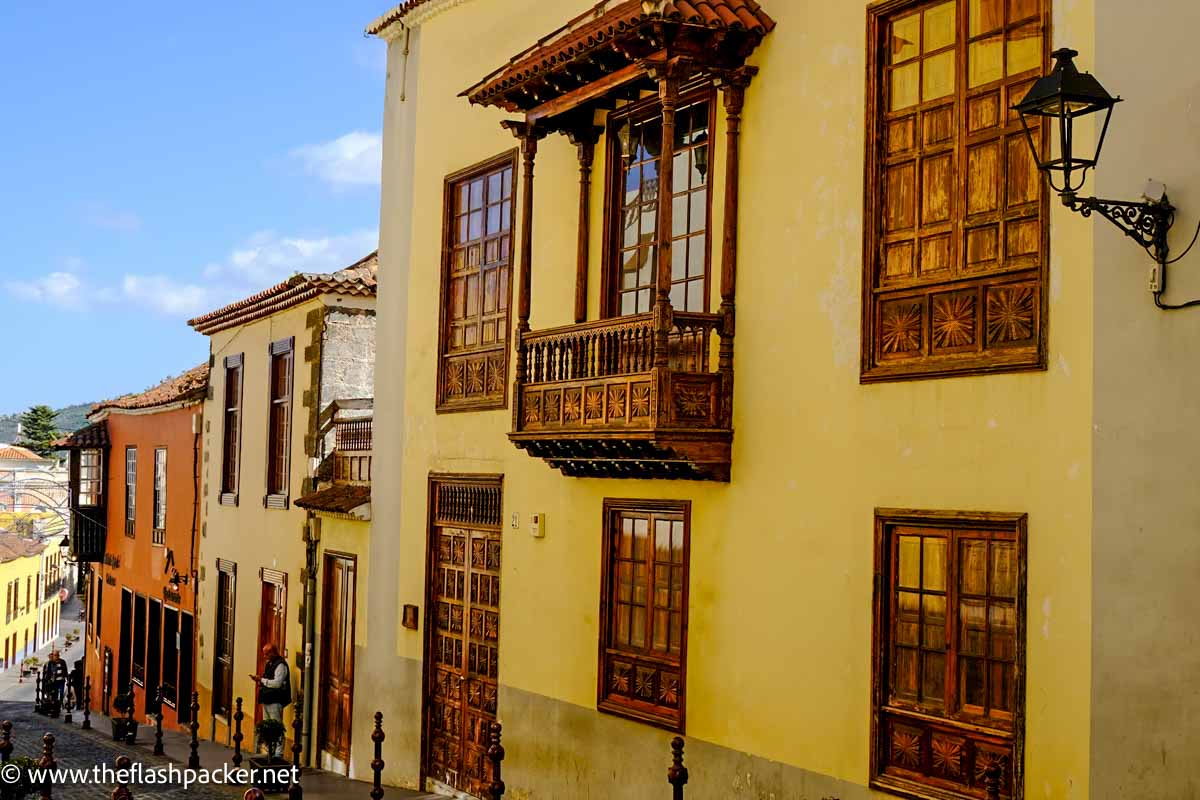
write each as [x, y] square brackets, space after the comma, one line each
[537, 525]
[516, 520]
[1154, 278]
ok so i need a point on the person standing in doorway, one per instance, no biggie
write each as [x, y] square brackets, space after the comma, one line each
[275, 684]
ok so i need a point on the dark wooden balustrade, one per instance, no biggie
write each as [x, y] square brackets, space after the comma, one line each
[354, 434]
[595, 399]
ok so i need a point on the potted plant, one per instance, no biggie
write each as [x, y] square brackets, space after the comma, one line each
[120, 725]
[272, 771]
[20, 784]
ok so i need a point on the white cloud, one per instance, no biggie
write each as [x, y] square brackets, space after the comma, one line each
[267, 258]
[113, 219]
[167, 296]
[350, 160]
[60, 289]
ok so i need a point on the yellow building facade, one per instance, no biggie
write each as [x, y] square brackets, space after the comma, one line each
[30, 616]
[279, 360]
[841, 461]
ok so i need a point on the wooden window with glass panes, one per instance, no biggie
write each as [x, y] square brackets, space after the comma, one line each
[476, 286]
[644, 601]
[279, 424]
[130, 491]
[231, 434]
[90, 483]
[949, 651]
[160, 496]
[957, 214]
[636, 147]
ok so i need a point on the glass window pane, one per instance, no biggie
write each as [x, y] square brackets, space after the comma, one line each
[625, 582]
[1002, 687]
[681, 177]
[933, 679]
[906, 38]
[938, 80]
[972, 566]
[1024, 49]
[639, 584]
[679, 260]
[677, 541]
[939, 27]
[985, 61]
[662, 541]
[661, 630]
[1004, 569]
[696, 256]
[637, 635]
[679, 215]
[933, 608]
[477, 194]
[908, 617]
[679, 296]
[986, 16]
[904, 681]
[972, 628]
[1003, 619]
[972, 681]
[493, 189]
[641, 535]
[933, 575]
[625, 545]
[1021, 9]
[910, 561]
[905, 86]
[698, 219]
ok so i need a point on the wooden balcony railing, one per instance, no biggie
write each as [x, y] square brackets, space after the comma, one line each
[352, 457]
[596, 399]
[353, 434]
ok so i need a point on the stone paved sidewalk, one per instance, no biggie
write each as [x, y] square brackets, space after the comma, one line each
[79, 749]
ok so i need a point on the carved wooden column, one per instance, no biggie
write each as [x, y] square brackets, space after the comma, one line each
[529, 135]
[584, 139]
[668, 93]
[733, 88]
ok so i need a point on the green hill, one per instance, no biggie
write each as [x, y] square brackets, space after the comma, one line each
[70, 419]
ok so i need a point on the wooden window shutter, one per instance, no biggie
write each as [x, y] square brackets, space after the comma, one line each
[956, 228]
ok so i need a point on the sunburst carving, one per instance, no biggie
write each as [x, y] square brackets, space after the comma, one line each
[668, 689]
[552, 406]
[533, 408]
[692, 401]
[572, 405]
[616, 401]
[620, 678]
[455, 376]
[954, 320]
[900, 327]
[639, 402]
[475, 376]
[947, 757]
[906, 749]
[594, 405]
[495, 375]
[1010, 314]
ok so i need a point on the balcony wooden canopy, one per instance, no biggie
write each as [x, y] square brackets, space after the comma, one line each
[631, 396]
[613, 46]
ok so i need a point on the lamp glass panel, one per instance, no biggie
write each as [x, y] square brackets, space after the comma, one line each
[906, 38]
[939, 27]
[985, 61]
[1024, 49]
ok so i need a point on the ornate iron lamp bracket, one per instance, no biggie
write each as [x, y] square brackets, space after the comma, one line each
[1147, 223]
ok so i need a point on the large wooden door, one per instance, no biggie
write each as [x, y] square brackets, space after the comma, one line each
[337, 656]
[463, 647]
[223, 656]
[272, 621]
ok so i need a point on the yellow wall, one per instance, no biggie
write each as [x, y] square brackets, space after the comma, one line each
[250, 534]
[20, 629]
[781, 563]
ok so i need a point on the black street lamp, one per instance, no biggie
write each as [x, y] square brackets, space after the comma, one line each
[1062, 97]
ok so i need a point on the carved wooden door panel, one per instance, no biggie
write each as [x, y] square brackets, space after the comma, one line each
[464, 594]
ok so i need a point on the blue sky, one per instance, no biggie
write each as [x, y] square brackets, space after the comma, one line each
[159, 160]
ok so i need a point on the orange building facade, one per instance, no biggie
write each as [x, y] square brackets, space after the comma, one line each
[134, 486]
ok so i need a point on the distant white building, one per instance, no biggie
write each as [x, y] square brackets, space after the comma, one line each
[30, 484]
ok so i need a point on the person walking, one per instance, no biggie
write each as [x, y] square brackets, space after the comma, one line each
[57, 677]
[274, 685]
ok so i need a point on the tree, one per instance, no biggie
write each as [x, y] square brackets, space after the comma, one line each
[38, 430]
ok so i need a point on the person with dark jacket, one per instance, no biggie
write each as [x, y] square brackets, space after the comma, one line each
[57, 675]
[275, 684]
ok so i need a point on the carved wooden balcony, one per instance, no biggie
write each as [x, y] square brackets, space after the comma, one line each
[592, 403]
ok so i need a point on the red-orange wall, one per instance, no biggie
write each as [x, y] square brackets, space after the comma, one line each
[143, 565]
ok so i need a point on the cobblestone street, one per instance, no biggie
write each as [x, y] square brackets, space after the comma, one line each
[79, 749]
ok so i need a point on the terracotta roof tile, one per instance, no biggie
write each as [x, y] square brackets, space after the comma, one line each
[13, 452]
[93, 436]
[397, 13]
[191, 385]
[337, 499]
[357, 280]
[609, 20]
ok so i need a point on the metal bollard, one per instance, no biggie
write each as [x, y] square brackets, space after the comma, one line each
[47, 763]
[122, 792]
[158, 720]
[295, 790]
[131, 725]
[677, 775]
[495, 754]
[87, 703]
[238, 737]
[194, 725]
[6, 745]
[377, 763]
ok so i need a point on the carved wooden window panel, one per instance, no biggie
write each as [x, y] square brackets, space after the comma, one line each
[160, 496]
[644, 601]
[957, 213]
[476, 286]
[949, 652]
[634, 212]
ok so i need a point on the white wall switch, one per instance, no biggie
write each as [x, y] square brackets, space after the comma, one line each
[537, 525]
